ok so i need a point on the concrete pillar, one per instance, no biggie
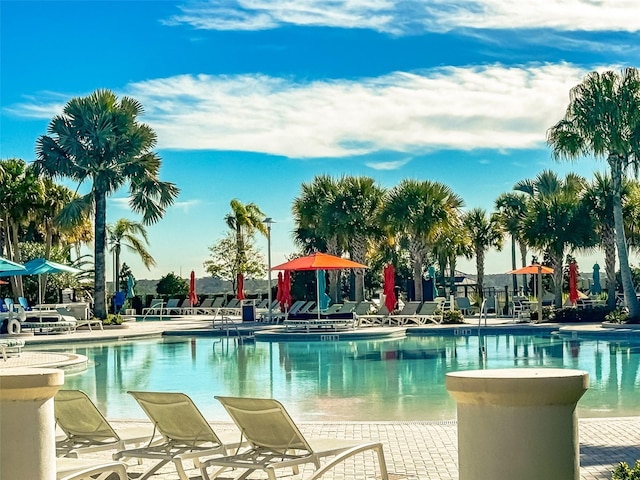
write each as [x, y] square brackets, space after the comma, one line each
[518, 423]
[27, 423]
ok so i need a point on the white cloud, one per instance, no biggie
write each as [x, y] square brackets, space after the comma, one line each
[405, 16]
[392, 165]
[494, 107]
[463, 108]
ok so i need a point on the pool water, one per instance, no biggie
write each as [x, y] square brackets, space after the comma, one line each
[395, 380]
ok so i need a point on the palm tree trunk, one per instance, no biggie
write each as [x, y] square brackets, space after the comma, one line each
[609, 241]
[623, 256]
[523, 259]
[357, 255]
[16, 284]
[480, 272]
[334, 275]
[556, 260]
[514, 278]
[100, 243]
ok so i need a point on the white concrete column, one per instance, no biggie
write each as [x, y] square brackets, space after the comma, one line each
[27, 423]
[518, 423]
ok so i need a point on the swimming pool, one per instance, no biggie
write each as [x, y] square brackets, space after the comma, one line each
[396, 380]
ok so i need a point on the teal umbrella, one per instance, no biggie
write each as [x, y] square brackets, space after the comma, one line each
[323, 298]
[130, 284]
[9, 268]
[596, 288]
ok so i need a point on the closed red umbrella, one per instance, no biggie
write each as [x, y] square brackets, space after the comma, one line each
[573, 282]
[389, 287]
[193, 298]
[285, 299]
[240, 294]
[279, 288]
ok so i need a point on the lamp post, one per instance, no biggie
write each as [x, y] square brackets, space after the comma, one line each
[268, 221]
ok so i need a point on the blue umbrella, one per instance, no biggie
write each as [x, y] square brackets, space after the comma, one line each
[596, 288]
[323, 298]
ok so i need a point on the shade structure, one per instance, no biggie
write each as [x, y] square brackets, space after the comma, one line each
[534, 269]
[193, 297]
[131, 283]
[318, 261]
[7, 267]
[240, 283]
[596, 288]
[388, 288]
[573, 282]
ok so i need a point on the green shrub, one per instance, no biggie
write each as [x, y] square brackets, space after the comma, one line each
[617, 316]
[452, 316]
[623, 472]
[546, 315]
[113, 319]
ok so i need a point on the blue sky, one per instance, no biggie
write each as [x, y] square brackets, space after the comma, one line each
[251, 98]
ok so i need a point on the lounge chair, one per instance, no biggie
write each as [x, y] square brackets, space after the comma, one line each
[80, 469]
[232, 307]
[10, 347]
[185, 433]
[87, 430]
[464, 305]
[376, 318]
[276, 442]
[409, 312]
[428, 312]
[80, 322]
[205, 308]
[44, 321]
[154, 308]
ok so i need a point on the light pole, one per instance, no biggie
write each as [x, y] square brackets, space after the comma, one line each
[268, 221]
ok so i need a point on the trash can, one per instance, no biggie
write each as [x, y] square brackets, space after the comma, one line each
[248, 311]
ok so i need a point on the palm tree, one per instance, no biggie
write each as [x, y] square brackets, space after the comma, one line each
[244, 220]
[512, 208]
[416, 210]
[603, 120]
[20, 190]
[451, 242]
[99, 139]
[557, 218]
[599, 199]
[485, 232]
[359, 199]
[319, 222]
[126, 233]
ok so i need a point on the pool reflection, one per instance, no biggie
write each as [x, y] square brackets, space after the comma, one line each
[399, 379]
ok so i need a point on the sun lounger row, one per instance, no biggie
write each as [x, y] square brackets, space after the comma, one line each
[209, 306]
[267, 438]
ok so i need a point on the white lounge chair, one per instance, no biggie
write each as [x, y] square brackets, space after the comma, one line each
[87, 430]
[81, 469]
[276, 442]
[185, 433]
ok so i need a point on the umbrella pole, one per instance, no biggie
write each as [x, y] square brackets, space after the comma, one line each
[318, 291]
[539, 294]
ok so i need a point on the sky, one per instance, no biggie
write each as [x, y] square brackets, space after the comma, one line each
[252, 98]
